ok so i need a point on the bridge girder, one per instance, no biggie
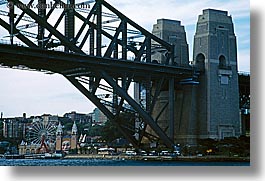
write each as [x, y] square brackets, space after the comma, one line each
[111, 64]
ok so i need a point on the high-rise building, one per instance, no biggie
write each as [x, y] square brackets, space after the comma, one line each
[14, 128]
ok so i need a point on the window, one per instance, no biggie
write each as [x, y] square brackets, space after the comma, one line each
[222, 61]
[200, 61]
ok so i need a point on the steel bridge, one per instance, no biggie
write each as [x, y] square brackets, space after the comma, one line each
[98, 44]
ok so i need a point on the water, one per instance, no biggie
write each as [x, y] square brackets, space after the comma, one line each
[105, 162]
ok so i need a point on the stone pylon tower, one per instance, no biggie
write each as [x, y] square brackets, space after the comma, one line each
[216, 98]
[174, 33]
[74, 137]
[59, 135]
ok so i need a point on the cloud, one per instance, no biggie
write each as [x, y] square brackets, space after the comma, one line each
[244, 60]
[145, 13]
[36, 93]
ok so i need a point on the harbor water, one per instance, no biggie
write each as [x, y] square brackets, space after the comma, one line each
[108, 162]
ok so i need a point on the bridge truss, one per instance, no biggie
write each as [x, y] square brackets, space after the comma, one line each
[100, 51]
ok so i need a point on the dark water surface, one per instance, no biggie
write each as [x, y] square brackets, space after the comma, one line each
[105, 162]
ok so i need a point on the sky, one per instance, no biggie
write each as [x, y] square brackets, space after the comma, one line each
[37, 93]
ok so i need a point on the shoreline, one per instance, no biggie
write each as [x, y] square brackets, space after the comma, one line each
[162, 158]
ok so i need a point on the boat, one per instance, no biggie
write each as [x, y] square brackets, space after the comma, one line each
[14, 156]
[45, 156]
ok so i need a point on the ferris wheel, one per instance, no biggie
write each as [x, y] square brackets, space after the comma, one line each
[40, 132]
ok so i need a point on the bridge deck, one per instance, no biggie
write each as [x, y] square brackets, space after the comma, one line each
[72, 63]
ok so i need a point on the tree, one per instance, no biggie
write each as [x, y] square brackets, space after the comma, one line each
[207, 145]
[95, 130]
[110, 131]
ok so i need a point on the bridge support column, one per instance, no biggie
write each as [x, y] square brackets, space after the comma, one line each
[171, 100]
[93, 98]
[11, 21]
[69, 23]
[41, 29]
[146, 117]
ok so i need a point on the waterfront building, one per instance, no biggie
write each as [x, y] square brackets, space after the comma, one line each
[66, 143]
[26, 149]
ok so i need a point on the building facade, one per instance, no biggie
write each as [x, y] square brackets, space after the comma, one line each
[66, 143]
[14, 128]
[78, 117]
[98, 118]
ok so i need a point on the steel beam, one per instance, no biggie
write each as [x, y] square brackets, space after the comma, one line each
[69, 24]
[113, 41]
[50, 28]
[161, 111]
[17, 33]
[109, 68]
[11, 22]
[23, 13]
[85, 39]
[55, 58]
[135, 25]
[102, 108]
[84, 23]
[55, 26]
[157, 92]
[52, 9]
[41, 30]
[146, 117]
[171, 100]
[91, 41]
[134, 50]
[99, 29]
[148, 49]
[124, 39]
[141, 51]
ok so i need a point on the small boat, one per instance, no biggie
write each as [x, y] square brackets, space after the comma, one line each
[14, 156]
